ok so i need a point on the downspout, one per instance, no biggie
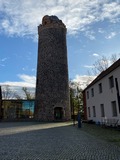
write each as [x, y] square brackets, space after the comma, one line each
[85, 105]
[118, 94]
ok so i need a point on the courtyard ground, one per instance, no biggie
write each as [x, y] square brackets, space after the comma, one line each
[57, 141]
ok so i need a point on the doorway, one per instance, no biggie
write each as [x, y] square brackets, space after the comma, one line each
[58, 113]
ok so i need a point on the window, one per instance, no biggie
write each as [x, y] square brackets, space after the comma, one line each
[114, 108]
[87, 94]
[100, 88]
[111, 82]
[89, 112]
[94, 111]
[92, 92]
[102, 110]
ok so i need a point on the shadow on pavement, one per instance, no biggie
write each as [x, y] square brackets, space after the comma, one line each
[52, 141]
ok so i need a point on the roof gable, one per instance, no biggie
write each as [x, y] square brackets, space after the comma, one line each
[104, 73]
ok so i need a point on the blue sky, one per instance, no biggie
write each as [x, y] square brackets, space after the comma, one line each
[93, 30]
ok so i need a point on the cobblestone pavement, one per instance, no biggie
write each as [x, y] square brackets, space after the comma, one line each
[52, 141]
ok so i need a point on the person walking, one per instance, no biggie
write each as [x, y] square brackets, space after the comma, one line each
[79, 120]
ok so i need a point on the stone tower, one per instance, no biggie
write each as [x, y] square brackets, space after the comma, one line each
[52, 89]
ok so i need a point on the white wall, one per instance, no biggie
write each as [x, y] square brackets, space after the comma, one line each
[106, 97]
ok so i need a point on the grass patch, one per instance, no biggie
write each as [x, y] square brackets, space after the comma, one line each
[107, 134]
[114, 140]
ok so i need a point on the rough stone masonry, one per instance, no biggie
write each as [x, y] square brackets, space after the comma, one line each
[52, 89]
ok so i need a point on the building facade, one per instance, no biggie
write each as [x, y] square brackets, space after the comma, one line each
[12, 109]
[102, 96]
[52, 90]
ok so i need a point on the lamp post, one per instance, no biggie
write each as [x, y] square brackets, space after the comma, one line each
[73, 114]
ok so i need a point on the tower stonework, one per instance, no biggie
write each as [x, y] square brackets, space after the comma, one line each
[52, 89]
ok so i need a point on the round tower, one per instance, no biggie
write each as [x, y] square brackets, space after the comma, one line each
[52, 89]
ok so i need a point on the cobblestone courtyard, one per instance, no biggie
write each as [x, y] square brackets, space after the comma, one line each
[52, 141]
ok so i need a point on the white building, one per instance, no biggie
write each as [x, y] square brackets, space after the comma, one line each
[102, 96]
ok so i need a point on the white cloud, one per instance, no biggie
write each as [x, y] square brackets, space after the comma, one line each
[100, 30]
[2, 61]
[21, 18]
[30, 81]
[96, 55]
[2, 65]
[27, 78]
[111, 35]
[111, 11]
[88, 66]
[84, 80]
[33, 69]
[90, 35]
[26, 81]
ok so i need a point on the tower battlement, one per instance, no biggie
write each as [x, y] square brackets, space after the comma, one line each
[51, 22]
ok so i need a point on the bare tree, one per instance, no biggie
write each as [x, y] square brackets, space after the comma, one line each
[114, 58]
[100, 65]
[27, 93]
[103, 63]
[7, 93]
